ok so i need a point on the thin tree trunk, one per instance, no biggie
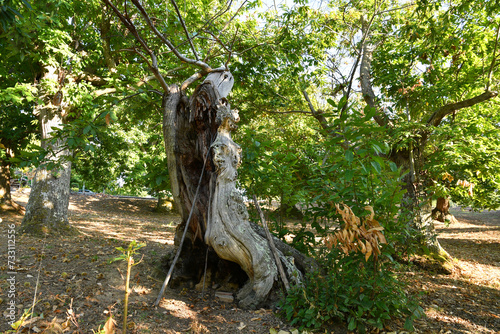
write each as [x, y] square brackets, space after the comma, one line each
[6, 202]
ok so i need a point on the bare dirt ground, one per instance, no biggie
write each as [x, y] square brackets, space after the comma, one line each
[78, 287]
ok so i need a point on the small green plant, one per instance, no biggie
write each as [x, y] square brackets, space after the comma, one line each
[17, 326]
[128, 256]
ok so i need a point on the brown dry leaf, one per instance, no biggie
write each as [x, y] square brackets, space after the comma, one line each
[363, 247]
[54, 327]
[328, 240]
[368, 251]
[109, 326]
[381, 237]
[372, 213]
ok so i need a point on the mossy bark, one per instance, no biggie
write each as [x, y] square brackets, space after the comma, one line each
[47, 208]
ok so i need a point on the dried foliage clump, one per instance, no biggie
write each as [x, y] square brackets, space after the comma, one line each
[364, 235]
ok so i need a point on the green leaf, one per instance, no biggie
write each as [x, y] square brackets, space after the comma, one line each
[376, 166]
[348, 175]
[331, 102]
[408, 324]
[349, 156]
[369, 112]
[119, 258]
[159, 180]
[352, 324]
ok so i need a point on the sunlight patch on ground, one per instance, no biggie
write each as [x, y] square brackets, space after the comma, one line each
[447, 318]
[126, 231]
[141, 290]
[177, 308]
[74, 206]
[486, 275]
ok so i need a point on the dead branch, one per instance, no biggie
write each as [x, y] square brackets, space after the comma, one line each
[272, 246]
[185, 29]
[167, 279]
[131, 27]
[204, 66]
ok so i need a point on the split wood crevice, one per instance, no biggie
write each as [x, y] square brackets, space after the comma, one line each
[201, 127]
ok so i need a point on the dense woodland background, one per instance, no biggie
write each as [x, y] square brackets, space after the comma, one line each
[356, 119]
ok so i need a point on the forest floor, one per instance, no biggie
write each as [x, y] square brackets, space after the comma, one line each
[79, 288]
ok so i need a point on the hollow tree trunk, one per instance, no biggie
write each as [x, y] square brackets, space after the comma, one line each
[197, 140]
[47, 208]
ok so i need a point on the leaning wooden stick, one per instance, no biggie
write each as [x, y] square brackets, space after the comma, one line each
[272, 246]
[167, 279]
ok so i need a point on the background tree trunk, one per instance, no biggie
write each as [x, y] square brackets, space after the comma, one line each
[5, 196]
[442, 209]
[6, 202]
[414, 211]
[47, 208]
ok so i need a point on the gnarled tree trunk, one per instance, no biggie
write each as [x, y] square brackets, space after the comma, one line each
[197, 140]
[228, 228]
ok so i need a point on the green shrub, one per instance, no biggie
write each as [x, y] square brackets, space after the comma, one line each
[349, 291]
[357, 284]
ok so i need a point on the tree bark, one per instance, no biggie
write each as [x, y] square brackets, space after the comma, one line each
[196, 130]
[6, 202]
[47, 208]
[442, 209]
[5, 196]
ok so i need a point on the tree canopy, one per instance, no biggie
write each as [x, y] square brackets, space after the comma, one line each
[372, 104]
